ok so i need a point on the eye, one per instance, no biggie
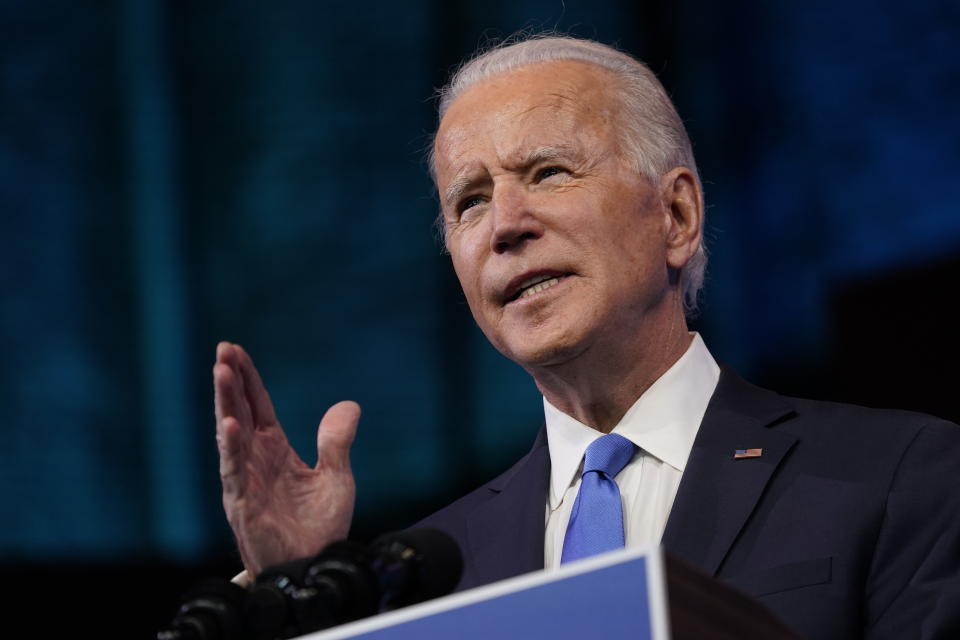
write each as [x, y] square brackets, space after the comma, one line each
[469, 202]
[548, 172]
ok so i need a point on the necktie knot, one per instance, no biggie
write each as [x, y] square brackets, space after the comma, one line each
[609, 453]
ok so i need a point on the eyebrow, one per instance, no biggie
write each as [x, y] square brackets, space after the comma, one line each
[546, 152]
[456, 189]
[464, 181]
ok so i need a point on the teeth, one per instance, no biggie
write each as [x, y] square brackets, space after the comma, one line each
[529, 282]
[537, 288]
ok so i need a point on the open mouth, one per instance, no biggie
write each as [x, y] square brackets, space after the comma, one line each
[535, 285]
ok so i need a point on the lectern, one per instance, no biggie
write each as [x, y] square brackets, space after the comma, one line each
[636, 594]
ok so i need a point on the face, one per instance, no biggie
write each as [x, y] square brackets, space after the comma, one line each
[560, 247]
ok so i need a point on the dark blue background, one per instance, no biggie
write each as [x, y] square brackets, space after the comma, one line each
[175, 173]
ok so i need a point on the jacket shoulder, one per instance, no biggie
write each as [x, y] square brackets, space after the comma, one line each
[828, 424]
[452, 517]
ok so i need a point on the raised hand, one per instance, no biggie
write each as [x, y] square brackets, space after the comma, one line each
[279, 508]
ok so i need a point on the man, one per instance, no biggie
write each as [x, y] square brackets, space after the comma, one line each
[573, 215]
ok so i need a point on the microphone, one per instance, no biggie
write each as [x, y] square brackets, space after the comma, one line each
[415, 565]
[336, 586]
[347, 581]
[212, 610]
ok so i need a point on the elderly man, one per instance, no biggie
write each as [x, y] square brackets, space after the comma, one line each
[573, 215]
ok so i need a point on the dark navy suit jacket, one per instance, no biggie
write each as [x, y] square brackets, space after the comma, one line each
[847, 526]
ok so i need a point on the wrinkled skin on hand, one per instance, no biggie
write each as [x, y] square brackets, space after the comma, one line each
[279, 508]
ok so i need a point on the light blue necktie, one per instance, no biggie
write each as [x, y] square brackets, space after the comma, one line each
[596, 522]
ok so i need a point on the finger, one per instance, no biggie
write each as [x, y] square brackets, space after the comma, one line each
[229, 354]
[222, 347]
[233, 447]
[335, 435]
[231, 442]
[255, 391]
[228, 398]
[224, 351]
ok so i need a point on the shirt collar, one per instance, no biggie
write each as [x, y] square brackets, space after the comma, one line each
[663, 421]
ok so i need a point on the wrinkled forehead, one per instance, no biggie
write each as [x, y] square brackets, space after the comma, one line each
[559, 97]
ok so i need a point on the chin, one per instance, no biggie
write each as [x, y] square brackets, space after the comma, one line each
[543, 352]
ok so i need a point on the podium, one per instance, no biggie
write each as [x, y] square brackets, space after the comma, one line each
[639, 594]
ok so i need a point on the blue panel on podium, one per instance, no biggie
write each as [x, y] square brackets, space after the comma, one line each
[615, 595]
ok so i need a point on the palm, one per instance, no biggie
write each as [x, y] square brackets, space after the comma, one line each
[279, 507]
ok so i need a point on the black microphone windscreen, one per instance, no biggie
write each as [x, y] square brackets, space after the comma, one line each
[431, 558]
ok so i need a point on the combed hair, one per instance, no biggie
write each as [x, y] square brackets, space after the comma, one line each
[654, 138]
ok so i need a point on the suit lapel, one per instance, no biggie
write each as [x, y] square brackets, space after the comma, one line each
[506, 532]
[718, 493]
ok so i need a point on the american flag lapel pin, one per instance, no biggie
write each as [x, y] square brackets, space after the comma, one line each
[747, 453]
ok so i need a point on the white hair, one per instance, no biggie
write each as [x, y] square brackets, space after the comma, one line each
[654, 138]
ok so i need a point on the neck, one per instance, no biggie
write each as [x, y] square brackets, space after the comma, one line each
[598, 386]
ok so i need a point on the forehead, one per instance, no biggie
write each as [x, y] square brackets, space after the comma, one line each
[540, 104]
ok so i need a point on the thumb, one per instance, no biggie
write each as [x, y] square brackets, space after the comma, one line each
[335, 435]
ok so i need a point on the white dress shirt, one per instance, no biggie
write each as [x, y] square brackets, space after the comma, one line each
[663, 423]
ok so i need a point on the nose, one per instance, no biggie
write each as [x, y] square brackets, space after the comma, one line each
[515, 221]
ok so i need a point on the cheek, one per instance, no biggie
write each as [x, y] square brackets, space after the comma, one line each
[462, 273]
[467, 270]
[634, 251]
[468, 246]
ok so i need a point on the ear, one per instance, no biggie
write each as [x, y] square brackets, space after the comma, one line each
[683, 206]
